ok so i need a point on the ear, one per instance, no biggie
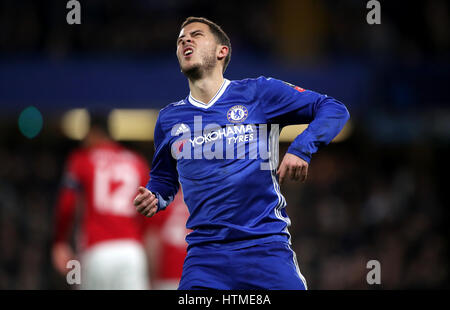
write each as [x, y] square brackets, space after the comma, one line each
[222, 52]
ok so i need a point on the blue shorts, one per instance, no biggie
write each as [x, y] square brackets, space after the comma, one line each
[271, 266]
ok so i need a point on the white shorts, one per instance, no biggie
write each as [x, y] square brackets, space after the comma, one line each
[166, 284]
[115, 265]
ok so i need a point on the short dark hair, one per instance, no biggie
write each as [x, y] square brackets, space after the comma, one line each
[218, 33]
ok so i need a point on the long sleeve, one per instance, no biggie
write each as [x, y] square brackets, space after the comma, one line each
[65, 211]
[163, 175]
[66, 200]
[288, 104]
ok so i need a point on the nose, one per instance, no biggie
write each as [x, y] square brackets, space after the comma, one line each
[186, 40]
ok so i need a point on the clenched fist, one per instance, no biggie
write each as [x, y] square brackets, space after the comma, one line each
[145, 202]
[293, 167]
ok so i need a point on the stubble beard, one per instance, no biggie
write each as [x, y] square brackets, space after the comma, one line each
[198, 71]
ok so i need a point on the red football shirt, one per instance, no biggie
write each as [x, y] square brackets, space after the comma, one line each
[172, 231]
[107, 176]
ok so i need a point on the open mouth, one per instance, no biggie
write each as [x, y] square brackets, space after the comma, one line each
[188, 51]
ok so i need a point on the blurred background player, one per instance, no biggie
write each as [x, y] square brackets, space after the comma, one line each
[104, 175]
[167, 245]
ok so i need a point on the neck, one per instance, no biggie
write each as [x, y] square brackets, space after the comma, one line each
[204, 88]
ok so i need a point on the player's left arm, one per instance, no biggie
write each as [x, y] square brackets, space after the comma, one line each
[287, 104]
[62, 251]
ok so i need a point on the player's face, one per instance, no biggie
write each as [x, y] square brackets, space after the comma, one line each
[196, 49]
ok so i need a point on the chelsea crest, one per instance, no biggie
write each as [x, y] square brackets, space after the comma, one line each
[237, 114]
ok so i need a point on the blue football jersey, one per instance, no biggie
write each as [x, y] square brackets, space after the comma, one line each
[225, 156]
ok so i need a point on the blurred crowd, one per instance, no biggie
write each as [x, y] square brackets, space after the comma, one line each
[29, 179]
[372, 203]
[361, 202]
[408, 32]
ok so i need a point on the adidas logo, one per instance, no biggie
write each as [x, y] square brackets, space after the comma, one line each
[182, 129]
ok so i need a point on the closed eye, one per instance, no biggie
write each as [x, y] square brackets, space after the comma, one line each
[194, 33]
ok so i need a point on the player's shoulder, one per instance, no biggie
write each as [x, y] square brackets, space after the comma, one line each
[171, 107]
[269, 84]
[250, 81]
[255, 87]
[170, 115]
[78, 153]
[136, 157]
[256, 82]
[76, 159]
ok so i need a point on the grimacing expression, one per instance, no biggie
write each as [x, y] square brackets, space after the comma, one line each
[196, 48]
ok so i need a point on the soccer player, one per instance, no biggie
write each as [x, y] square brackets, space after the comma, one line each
[212, 143]
[102, 177]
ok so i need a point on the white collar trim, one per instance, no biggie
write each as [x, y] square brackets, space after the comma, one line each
[213, 100]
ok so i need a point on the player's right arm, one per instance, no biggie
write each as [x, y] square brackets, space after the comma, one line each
[163, 184]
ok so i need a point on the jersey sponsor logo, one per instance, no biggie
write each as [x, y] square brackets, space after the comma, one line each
[238, 131]
[237, 114]
[232, 141]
